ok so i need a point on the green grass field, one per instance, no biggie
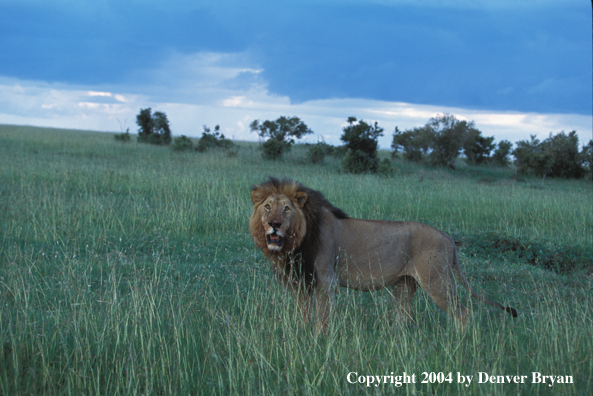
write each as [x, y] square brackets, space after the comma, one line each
[129, 269]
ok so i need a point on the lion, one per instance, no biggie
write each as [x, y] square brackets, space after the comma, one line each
[315, 247]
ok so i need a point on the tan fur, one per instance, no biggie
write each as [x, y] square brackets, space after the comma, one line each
[323, 249]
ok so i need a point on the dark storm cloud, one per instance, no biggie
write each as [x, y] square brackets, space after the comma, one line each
[530, 58]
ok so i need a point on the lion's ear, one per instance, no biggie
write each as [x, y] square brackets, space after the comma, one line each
[256, 195]
[301, 198]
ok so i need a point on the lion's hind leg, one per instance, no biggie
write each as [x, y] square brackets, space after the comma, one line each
[439, 284]
[403, 292]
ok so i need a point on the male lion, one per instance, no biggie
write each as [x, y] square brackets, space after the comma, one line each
[314, 247]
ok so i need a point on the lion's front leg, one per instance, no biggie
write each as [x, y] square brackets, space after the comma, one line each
[323, 303]
[325, 291]
[324, 299]
[403, 293]
[303, 301]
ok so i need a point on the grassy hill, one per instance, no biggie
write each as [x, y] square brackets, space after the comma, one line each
[129, 269]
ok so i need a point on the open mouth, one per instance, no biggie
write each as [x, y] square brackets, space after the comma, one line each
[275, 239]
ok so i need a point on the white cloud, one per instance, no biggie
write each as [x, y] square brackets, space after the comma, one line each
[200, 78]
[227, 89]
[94, 93]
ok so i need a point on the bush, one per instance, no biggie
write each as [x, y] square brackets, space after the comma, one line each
[527, 154]
[441, 141]
[145, 123]
[362, 141]
[182, 143]
[213, 140]
[385, 168]
[339, 151]
[557, 156]
[153, 128]
[357, 161]
[587, 156]
[414, 143]
[283, 131]
[567, 162]
[477, 148]
[318, 152]
[273, 149]
[448, 137]
[123, 137]
[502, 153]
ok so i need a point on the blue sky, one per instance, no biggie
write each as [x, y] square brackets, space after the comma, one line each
[516, 69]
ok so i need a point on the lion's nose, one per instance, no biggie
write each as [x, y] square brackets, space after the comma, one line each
[274, 225]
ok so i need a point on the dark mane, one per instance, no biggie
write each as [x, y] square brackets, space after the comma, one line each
[303, 258]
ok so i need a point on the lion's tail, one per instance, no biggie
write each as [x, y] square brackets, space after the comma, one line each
[512, 311]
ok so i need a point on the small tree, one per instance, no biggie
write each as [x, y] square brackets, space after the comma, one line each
[441, 141]
[280, 135]
[385, 168]
[318, 152]
[182, 143]
[145, 124]
[532, 157]
[213, 140]
[414, 143]
[557, 156]
[477, 148]
[587, 156]
[449, 137]
[567, 161]
[153, 129]
[161, 128]
[502, 153]
[123, 137]
[362, 142]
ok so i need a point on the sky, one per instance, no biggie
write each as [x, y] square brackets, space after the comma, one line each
[515, 68]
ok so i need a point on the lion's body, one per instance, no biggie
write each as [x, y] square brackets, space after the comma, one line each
[314, 248]
[371, 255]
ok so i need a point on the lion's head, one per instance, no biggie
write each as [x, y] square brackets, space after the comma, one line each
[278, 224]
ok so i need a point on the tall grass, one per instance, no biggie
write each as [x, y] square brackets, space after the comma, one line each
[128, 269]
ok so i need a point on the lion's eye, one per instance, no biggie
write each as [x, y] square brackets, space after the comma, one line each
[268, 207]
[286, 209]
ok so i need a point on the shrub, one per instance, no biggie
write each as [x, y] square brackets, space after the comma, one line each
[477, 148]
[318, 152]
[502, 153]
[567, 162]
[339, 151]
[123, 137]
[145, 123]
[441, 141]
[448, 137]
[557, 156]
[385, 168]
[182, 143]
[357, 161]
[525, 155]
[587, 156]
[284, 130]
[273, 149]
[414, 143]
[213, 140]
[362, 141]
[153, 128]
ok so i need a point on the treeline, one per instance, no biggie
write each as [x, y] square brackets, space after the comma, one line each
[440, 142]
[155, 129]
